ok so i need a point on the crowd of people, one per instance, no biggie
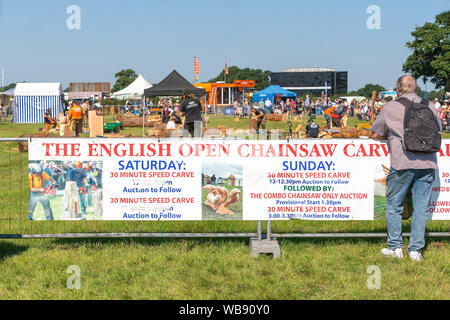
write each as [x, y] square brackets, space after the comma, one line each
[316, 107]
[310, 107]
[444, 113]
[60, 172]
[331, 110]
[170, 112]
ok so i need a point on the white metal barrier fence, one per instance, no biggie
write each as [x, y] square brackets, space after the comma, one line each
[14, 223]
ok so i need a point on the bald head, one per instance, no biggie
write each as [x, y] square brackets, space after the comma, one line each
[406, 84]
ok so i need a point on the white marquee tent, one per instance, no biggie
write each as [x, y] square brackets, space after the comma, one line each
[134, 90]
[32, 100]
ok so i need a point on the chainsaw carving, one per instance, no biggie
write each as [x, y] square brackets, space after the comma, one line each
[71, 201]
[219, 199]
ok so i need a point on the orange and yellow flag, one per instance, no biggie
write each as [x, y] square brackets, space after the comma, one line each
[196, 66]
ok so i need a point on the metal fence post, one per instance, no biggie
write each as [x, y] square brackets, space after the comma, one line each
[259, 230]
[264, 246]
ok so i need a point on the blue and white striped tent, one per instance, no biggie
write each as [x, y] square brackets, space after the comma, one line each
[32, 100]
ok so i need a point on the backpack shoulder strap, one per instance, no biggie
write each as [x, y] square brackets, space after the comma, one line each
[407, 105]
[404, 102]
[425, 102]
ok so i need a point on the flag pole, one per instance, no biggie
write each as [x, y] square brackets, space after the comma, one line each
[3, 78]
[225, 70]
[196, 69]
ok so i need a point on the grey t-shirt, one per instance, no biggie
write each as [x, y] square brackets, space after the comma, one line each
[390, 123]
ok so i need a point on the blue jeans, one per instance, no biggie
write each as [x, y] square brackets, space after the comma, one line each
[83, 202]
[399, 182]
[327, 118]
[35, 198]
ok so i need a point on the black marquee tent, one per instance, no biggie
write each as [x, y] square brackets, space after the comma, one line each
[173, 85]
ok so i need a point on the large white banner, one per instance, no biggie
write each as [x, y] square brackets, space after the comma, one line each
[151, 180]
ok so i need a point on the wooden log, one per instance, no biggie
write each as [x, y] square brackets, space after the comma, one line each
[325, 135]
[71, 201]
[117, 135]
[159, 126]
[344, 121]
[132, 122]
[97, 203]
[62, 118]
[95, 124]
[64, 130]
[151, 132]
[151, 123]
[349, 132]
[213, 133]
[155, 118]
[23, 145]
[364, 132]
[275, 117]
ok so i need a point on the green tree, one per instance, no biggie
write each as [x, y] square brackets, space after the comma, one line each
[262, 78]
[123, 79]
[8, 87]
[431, 95]
[351, 93]
[430, 59]
[369, 88]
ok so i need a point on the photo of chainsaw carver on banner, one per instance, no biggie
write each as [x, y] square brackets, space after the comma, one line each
[65, 190]
[222, 191]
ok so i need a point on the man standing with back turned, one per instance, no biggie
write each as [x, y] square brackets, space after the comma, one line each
[191, 109]
[409, 170]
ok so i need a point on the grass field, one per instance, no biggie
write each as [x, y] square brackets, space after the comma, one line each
[9, 130]
[196, 268]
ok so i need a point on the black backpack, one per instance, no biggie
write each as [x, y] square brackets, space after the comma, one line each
[421, 128]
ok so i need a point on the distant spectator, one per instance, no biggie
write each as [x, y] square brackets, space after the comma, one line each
[307, 103]
[4, 112]
[436, 103]
[268, 105]
[261, 104]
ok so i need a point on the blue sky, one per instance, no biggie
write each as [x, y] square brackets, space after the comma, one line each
[154, 36]
[220, 169]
